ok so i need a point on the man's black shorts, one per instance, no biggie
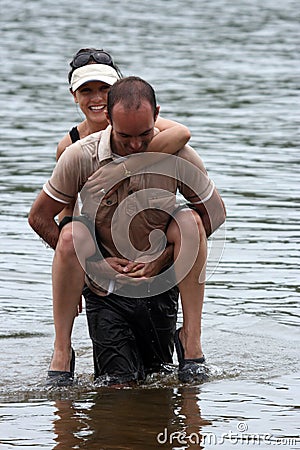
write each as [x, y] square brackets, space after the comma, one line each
[131, 337]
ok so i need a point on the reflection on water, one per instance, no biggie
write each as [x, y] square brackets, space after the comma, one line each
[168, 412]
[225, 413]
[107, 419]
[229, 71]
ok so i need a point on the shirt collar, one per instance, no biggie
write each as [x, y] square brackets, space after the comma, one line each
[104, 148]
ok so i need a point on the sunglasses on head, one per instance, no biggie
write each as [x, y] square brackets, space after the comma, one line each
[99, 57]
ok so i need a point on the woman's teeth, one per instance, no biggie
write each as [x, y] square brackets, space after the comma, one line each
[97, 108]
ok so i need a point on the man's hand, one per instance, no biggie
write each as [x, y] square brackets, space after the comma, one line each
[147, 269]
[110, 267]
[134, 273]
[129, 272]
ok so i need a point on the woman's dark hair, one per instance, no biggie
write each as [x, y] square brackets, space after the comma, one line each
[131, 92]
[92, 54]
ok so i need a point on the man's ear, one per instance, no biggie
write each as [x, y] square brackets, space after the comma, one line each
[156, 113]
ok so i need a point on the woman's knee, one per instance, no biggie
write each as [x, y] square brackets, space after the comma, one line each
[188, 223]
[73, 238]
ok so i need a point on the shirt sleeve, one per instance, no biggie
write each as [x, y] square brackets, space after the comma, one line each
[194, 182]
[201, 192]
[69, 175]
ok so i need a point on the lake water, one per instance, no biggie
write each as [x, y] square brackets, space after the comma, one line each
[230, 71]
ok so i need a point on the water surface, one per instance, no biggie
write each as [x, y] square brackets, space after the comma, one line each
[230, 72]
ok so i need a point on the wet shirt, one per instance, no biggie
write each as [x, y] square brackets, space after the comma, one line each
[133, 220]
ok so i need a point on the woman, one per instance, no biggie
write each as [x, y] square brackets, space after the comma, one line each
[91, 98]
[89, 87]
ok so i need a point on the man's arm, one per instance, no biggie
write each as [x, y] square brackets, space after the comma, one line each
[212, 211]
[200, 191]
[41, 218]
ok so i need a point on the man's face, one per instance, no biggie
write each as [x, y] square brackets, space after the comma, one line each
[132, 130]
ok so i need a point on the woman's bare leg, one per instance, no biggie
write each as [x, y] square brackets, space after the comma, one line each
[187, 234]
[67, 283]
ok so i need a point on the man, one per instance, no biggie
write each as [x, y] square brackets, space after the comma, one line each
[132, 321]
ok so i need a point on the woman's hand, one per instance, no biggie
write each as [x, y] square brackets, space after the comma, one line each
[105, 181]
